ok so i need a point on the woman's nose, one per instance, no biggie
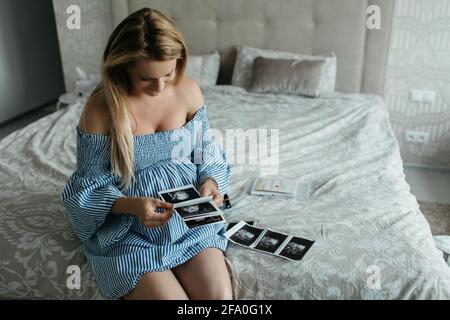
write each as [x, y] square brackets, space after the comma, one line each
[160, 85]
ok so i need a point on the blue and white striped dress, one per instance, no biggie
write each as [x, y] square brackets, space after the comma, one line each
[119, 249]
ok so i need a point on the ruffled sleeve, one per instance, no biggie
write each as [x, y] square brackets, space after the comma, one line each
[92, 190]
[211, 160]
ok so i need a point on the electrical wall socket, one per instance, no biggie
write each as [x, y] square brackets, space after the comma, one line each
[420, 137]
[422, 96]
[429, 97]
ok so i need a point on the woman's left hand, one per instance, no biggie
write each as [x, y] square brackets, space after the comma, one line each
[209, 188]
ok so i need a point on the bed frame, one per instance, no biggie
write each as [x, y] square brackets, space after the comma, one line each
[301, 26]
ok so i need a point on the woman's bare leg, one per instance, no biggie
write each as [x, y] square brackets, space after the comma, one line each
[205, 276]
[158, 286]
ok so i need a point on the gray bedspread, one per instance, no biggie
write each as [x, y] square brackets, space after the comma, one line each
[371, 240]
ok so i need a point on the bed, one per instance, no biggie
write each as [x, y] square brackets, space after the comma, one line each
[360, 212]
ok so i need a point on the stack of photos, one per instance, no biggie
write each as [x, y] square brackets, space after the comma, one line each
[268, 241]
[194, 209]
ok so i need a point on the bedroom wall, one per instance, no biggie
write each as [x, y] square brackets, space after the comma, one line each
[30, 64]
[420, 59]
[83, 47]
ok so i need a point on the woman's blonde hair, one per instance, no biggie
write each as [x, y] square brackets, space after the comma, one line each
[145, 34]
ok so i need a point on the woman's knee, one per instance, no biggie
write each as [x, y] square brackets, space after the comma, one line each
[157, 286]
[222, 294]
[216, 292]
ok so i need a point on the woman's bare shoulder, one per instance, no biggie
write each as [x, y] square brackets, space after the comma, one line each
[191, 95]
[95, 117]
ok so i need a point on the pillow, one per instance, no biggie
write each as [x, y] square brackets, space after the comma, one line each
[204, 68]
[287, 76]
[194, 67]
[242, 73]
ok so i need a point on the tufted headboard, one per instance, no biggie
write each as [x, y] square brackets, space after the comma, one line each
[302, 26]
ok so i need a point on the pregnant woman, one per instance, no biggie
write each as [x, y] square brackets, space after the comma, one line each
[126, 137]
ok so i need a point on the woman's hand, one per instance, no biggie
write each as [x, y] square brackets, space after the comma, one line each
[209, 188]
[145, 210]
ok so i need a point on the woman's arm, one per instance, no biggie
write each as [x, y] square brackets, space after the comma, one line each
[145, 208]
[123, 205]
[209, 187]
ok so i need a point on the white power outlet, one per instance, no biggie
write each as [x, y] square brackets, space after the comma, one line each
[415, 96]
[429, 97]
[420, 137]
[422, 96]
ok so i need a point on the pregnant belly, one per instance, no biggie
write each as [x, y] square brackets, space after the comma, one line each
[167, 175]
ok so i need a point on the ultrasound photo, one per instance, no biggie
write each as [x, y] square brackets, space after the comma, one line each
[199, 209]
[246, 235]
[180, 194]
[205, 220]
[296, 248]
[271, 241]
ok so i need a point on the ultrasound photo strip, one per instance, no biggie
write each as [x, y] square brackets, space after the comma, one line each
[244, 234]
[191, 207]
[197, 210]
[266, 240]
[181, 194]
[197, 222]
[192, 202]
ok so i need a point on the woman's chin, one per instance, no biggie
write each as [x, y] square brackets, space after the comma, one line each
[152, 93]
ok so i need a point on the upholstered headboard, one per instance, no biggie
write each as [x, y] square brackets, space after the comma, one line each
[302, 26]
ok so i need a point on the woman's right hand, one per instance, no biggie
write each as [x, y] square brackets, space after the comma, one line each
[145, 209]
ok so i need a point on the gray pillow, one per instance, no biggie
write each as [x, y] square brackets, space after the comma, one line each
[292, 76]
[242, 72]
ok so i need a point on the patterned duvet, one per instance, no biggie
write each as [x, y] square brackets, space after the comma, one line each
[371, 240]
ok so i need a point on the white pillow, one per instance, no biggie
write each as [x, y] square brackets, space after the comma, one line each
[194, 67]
[245, 56]
[204, 68]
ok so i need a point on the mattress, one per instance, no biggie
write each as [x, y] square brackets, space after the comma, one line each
[371, 240]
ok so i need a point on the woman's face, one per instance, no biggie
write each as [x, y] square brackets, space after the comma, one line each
[150, 77]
